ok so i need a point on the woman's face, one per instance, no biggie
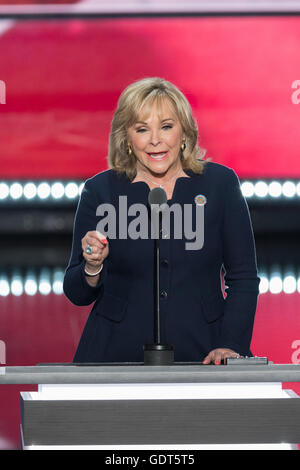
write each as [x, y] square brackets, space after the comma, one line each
[156, 139]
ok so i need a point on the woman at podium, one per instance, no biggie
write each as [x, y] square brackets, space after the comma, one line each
[154, 143]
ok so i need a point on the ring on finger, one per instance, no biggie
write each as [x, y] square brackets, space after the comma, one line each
[88, 250]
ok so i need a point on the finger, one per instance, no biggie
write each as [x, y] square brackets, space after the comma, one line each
[90, 251]
[98, 236]
[218, 356]
[93, 257]
[207, 359]
[94, 241]
[94, 247]
[230, 353]
[96, 253]
[94, 244]
[227, 353]
[228, 356]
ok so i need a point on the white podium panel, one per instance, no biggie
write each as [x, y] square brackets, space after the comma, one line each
[160, 416]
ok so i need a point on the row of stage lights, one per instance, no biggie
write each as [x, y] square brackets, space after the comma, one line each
[45, 283]
[51, 282]
[271, 189]
[43, 191]
[57, 191]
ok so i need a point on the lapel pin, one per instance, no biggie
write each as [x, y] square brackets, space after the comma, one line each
[200, 200]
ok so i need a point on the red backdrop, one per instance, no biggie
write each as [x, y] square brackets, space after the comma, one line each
[63, 80]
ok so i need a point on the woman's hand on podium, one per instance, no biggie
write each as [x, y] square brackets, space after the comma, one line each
[217, 355]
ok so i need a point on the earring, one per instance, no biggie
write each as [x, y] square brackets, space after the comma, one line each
[183, 145]
[129, 149]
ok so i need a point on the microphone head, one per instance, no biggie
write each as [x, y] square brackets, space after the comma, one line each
[157, 196]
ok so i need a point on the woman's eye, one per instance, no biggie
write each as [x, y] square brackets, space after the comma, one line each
[167, 126]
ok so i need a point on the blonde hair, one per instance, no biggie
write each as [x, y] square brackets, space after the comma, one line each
[142, 94]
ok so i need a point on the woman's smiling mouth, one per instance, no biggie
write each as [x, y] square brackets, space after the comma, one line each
[157, 155]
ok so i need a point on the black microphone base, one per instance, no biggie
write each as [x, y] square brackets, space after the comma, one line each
[158, 354]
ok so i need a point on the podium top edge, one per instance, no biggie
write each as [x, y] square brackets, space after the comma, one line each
[105, 373]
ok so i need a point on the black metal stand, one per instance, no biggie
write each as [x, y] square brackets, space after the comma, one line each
[157, 353]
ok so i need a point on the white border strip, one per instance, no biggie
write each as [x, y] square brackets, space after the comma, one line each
[159, 391]
[168, 447]
[156, 7]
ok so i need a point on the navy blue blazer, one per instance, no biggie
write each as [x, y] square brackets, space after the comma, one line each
[195, 315]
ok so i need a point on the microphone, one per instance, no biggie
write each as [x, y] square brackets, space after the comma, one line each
[157, 200]
[157, 196]
[157, 353]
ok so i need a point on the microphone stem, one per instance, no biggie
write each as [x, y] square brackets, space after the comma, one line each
[157, 310]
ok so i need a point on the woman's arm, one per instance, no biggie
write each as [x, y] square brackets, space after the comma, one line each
[241, 279]
[77, 288]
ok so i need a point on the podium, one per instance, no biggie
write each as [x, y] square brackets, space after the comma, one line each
[130, 405]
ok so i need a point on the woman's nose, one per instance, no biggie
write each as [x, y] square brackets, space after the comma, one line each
[155, 138]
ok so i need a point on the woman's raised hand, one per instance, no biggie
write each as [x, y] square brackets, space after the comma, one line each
[94, 249]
